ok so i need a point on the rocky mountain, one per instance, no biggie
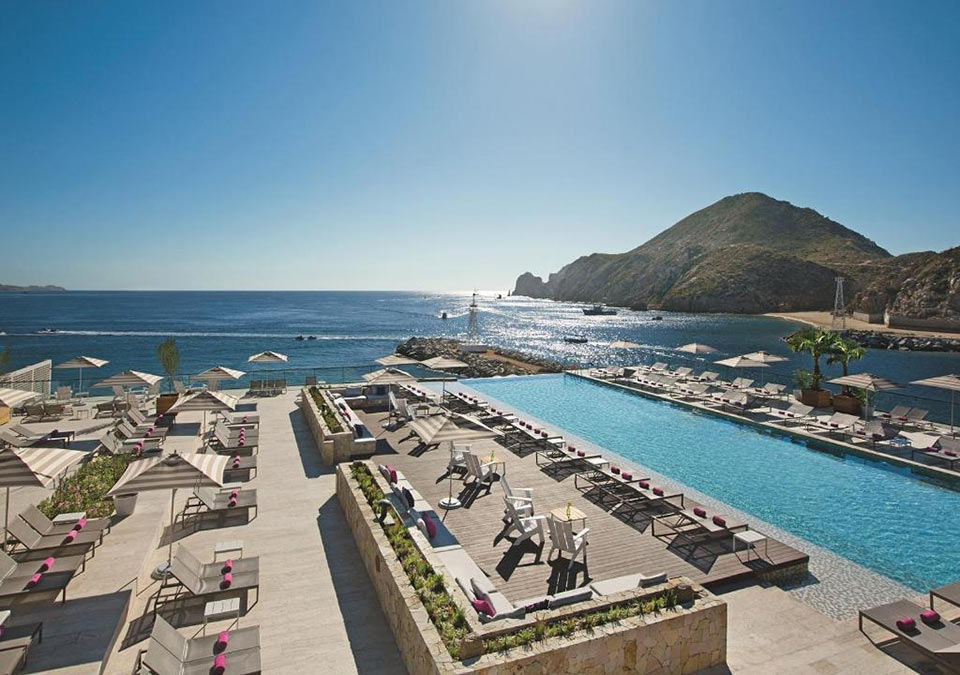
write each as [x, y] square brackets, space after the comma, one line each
[7, 288]
[746, 253]
[918, 285]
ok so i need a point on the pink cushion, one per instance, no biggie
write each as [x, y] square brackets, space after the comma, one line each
[627, 475]
[80, 524]
[658, 491]
[952, 453]
[699, 512]
[614, 469]
[392, 474]
[219, 664]
[929, 616]
[543, 434]
[483, 607]
[47, 564]
[226, 580]
[232, 503]
[644, 484]
[71, 535]
[906, 623]
[430, 525]
[719, 521]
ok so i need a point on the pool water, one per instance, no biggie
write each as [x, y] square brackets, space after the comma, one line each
[877, 515]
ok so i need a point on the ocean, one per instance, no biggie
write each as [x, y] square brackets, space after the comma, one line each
[352, 328]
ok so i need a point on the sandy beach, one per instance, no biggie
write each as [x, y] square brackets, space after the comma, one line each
[825, 319]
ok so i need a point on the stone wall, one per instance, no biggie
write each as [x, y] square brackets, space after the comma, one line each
[683, 639]
[334, 448]
[934, 324]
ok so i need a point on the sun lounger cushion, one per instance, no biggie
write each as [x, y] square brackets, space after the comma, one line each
[906, 623]
[720, 521]
[929, 616]
[626, 583]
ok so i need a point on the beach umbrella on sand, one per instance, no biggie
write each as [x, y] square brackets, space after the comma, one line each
[396, 360]
[453, 428]
[206, 400]
[948, 382]
[867, 382]
[172, 472]
[696, 348]
[11, 398]
[33, 466]
[80, 363]
[218, 373]
[625, 344]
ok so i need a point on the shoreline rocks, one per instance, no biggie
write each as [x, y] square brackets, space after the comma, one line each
[479, 365]
[910, 343]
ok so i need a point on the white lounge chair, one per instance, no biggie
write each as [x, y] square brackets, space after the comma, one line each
[458, 459]
[482, 472]
[521, 498]
[565, 540]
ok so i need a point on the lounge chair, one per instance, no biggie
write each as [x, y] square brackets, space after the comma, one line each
[949, 593]
[19, 583]
[215, 570]
[559, 457]
[898, 414]
[208, 501]
[945, 449]
[483, 473]
[740, 400]
[255, 387]
[34, 518]
[741, 383]
[936, 639]
[127, 431]
[708, 376]
[689, 524]
[184, 583]
[12, 660]
[227, 443]
[39, 412]
[21, 437]
[54, 544]
[838, 422]
[458, 457]
[169, 653]
[917, 417]
[796, 412]
[564, 540]
[683, 372]
[607, 484]
[243, 466]
[771, 390]
[17, 639]
[659, 366]
[115, 445]
[109, 408]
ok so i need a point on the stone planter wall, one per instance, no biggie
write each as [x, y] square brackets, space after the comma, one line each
[847, 404]
[683, 639]
[334, 447]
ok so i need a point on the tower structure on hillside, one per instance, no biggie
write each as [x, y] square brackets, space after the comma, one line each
[472, 329]
[839, 309]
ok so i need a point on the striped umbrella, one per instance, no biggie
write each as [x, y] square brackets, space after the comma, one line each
[388, 376]
[396, 360]
[948, 382]
[172, 472]
[218, 373]
[130, 378]
[214, 401]
[697, 348]
[32, 467]
[437, 429]
[444, 362]
[11, 398]
[80, 363]
[268, 357]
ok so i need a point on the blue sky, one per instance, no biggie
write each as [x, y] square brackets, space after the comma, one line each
[284, 144]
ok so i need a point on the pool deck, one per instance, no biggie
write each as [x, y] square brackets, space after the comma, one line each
[616, 547]
[820, 439]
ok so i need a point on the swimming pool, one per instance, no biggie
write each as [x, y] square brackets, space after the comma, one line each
[877, 515]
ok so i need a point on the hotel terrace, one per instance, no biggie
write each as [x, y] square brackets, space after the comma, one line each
[402, 524]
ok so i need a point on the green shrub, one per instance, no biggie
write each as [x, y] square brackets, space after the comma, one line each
[85, 490]
[329, 418]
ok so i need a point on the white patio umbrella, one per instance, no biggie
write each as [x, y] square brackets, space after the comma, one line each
[130, 378]
[741, 362]
[217, 374]
[625, 344]
[80, 363]
[33, 466]
[949, 382]
[205, 400]
[444, 362]
[696, 348]
[268, 357]
[764, 357]
[172, 472]
[388, 376]
[11, 398]
[437, 429]
[867, 382]
[396, 360]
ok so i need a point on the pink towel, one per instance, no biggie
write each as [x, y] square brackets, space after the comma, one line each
[80, 524]
[233, 495]
[236, 458]
[232, 502]
[34, 580]
[71, 535]
[240, 443]
[227, 565]
[47, 564]
[222, 640]
[219, 664]
[227, 580]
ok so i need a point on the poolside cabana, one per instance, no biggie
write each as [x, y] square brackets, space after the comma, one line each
[948, 382]
[396, 360]
[80, 363]
[213, 376]
[172, 472]
[32, 467]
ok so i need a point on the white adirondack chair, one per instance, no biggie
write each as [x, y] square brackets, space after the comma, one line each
[565, 540]
[458, 460]
[521, 498]
[482, 472]
[525, 526]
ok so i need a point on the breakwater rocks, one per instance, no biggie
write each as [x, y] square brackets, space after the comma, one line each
[496, 361]
[909, 343]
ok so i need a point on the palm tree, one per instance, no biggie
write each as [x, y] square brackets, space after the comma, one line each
[844, 351]
[817, 342]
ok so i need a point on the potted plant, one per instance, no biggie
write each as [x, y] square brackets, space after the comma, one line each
[817, 342]
[844, 351]
[866, 398]
[169, 357]
[125, 504]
